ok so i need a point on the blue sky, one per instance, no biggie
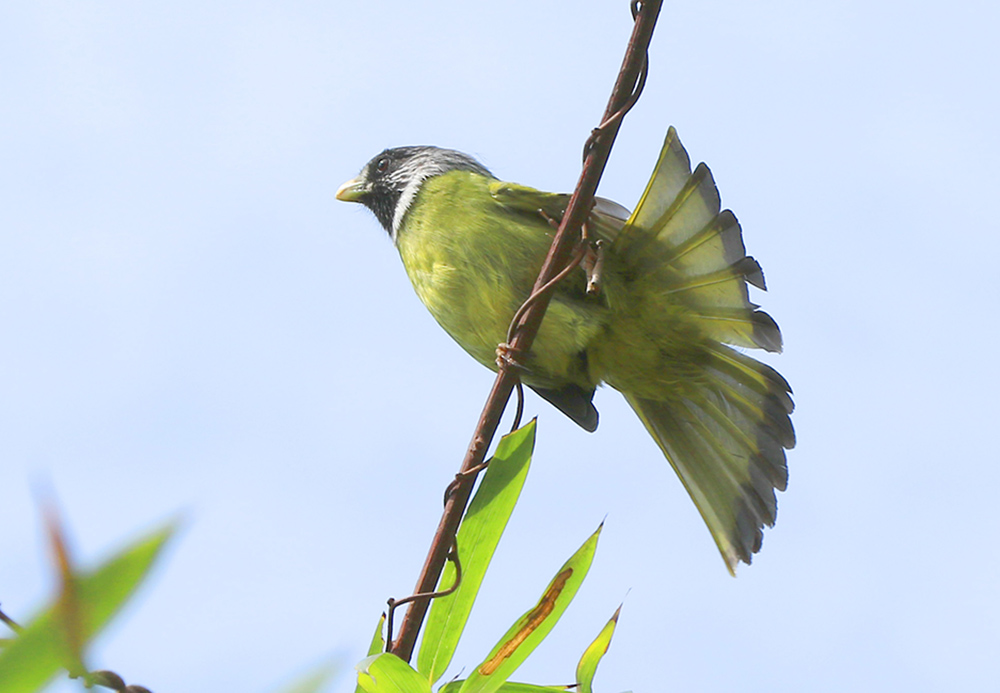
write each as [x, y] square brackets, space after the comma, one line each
[193, 325]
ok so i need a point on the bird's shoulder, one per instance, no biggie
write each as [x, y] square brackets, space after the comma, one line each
[605, 221]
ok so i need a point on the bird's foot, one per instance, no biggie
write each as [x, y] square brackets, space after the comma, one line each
[507, 359]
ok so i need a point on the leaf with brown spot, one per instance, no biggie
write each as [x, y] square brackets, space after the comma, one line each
[529, 630]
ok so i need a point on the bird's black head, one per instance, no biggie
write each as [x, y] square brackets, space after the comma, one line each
[388, 183]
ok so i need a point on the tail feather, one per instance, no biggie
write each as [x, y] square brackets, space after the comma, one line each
[720, 302]
[734, 326]
[753, 374]
[726, 426]
[722, 284]
[671, 176]
[756, 388]
[761, 411]
[680, 241]
[738, 456]
[728, 483]
[695, 207]
[719, 244]
[755, 455]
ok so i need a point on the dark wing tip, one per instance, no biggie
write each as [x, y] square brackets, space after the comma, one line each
[765, 332]
[574, 402]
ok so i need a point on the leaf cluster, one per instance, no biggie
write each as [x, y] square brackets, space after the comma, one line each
[476, 542]
[57, 637]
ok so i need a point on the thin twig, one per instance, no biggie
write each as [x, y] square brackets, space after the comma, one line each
[393, 603]
[11, 623]
[625, 91]
[519, 388]
[537, 294]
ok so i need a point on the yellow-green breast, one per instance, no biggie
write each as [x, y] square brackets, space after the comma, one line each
[473, 261]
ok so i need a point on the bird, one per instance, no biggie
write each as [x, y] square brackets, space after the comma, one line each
[667, 325]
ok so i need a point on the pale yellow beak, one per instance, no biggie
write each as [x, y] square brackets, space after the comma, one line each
[351, 191]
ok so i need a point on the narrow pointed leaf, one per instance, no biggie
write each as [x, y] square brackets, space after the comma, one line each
[377, 646]
[477, 540]
[38, 652]
[587, 667]
[387, 673]
[529, 630]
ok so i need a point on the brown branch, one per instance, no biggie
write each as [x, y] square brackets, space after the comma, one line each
[596, 153]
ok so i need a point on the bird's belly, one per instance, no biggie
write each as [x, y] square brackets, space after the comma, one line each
[474, 310]
[474, 280]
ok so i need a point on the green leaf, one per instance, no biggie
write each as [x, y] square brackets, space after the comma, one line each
[376, 646]
[387, 673]
[477, 540]
[378, 641]
[587, 667]
[509, 687]
[529, 630]
[39, 651]
[314, 681]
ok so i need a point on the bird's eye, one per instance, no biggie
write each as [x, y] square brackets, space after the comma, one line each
[382, 165]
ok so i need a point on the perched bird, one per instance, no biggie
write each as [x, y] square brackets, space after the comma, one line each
[672, 295]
